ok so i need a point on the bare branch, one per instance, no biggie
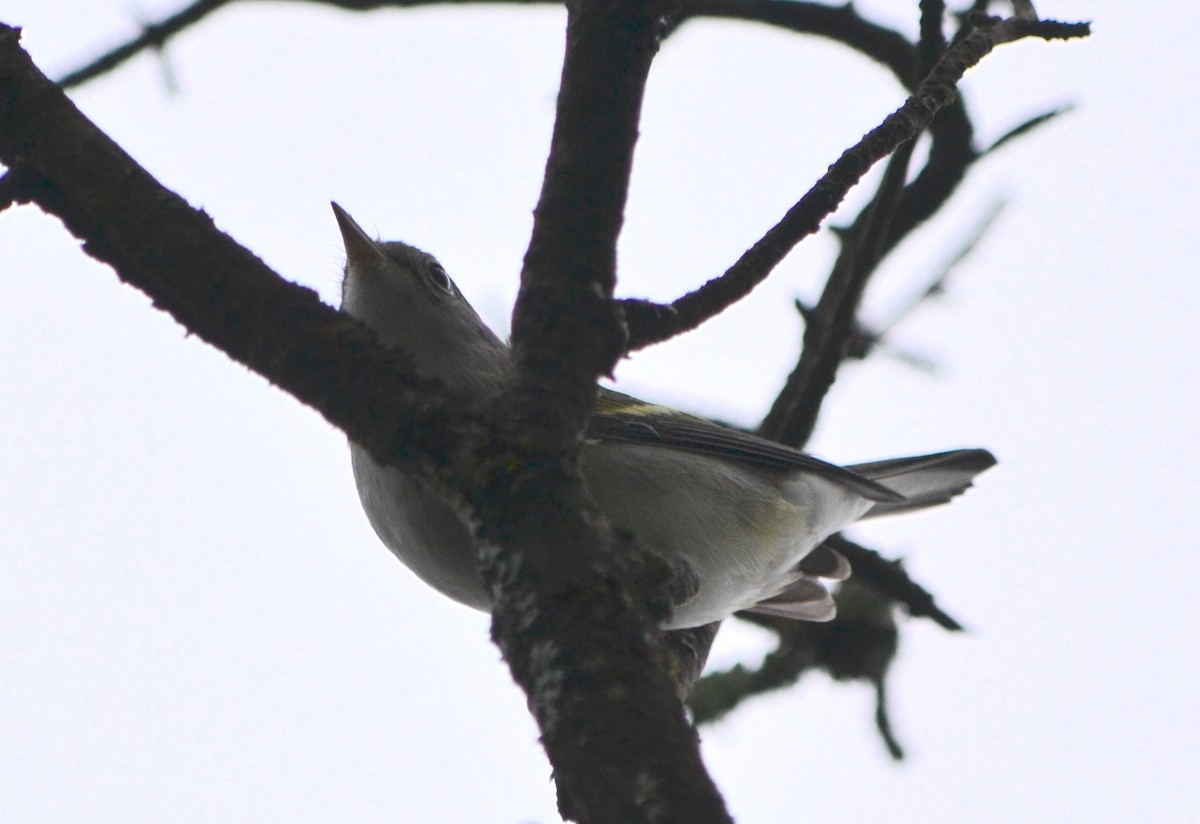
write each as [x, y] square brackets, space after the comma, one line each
[859, 645]
[1025, 128]
[8, 190]
[839, 23]
[865, 340]
[153, 36]
[833, 322]
[545, 547]
[950, 156]
[652, 323]
[603, 684]
[883, 722]
[891, 579]
[932, 41]
[831, 327]
[215, 288]
[937, 284]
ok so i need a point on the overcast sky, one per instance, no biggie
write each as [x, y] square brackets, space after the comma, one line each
[199, 625]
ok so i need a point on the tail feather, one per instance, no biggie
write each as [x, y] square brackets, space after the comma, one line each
[924, 481]
[805, 599]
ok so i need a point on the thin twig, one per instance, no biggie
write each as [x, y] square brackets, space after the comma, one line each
[841, 23]
[832, 323]
[932, 41]
[153, 36]
[890, 578]
[937, 284]
[653, 323]
[1029, 125]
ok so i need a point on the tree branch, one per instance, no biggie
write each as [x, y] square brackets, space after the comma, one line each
[153, 36]
[859, 645]
[891, 579]
[585, 653]
[1026, 127]
[840, 23]
[931, 43]
[652, 323]
[582, 644]
[833, 322]
[215, 288]
[830, 327]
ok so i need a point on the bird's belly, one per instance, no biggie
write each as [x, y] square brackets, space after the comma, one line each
[421, 529]
[741, 530]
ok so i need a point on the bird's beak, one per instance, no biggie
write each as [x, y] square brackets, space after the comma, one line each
[360, 248]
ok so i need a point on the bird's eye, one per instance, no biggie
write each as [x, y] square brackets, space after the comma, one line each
[438, 277]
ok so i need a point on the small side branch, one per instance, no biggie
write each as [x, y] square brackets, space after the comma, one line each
[653, 323]
[891, 579]
[154, 36]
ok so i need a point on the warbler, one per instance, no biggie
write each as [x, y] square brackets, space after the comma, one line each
[743, 516]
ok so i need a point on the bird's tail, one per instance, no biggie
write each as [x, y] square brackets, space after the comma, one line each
[926, 480]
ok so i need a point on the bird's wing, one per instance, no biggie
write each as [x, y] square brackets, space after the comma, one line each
[927, 480]
[619, 417]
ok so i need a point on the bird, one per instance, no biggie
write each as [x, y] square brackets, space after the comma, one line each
[743, 517]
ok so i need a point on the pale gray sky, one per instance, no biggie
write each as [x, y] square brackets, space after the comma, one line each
[199, 625]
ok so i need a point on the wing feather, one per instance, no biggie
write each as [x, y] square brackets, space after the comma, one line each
[619, 417]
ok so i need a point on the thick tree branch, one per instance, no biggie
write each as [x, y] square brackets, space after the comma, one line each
[593, 670]
[623, 721]
[574, 604]
[215, 288]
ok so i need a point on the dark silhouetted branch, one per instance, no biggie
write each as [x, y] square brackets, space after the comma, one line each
[8, 190]
[215, 288]
[891, 579]
[859, 645]
[1028, 126]
[154, 36]
[832, 324]
[931, 44]
[652, 323]
[546, 553]
[612, 713]
[839, 23]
